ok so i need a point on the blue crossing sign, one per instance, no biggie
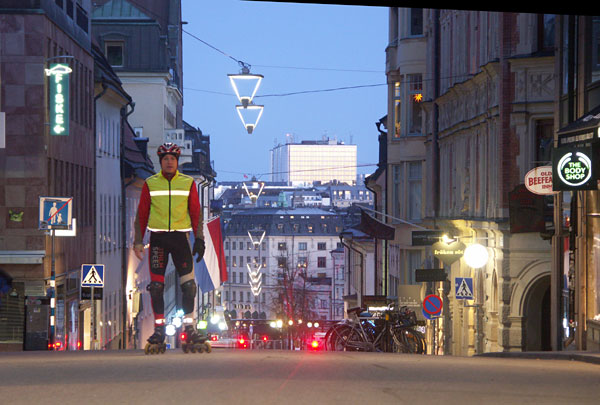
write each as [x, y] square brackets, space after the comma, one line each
[92, 275]
[463, 288]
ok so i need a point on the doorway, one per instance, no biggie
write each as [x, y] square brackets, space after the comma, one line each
[536, 314]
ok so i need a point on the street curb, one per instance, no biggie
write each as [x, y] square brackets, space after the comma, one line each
[593, 358]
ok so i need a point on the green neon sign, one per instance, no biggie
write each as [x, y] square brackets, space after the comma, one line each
[59, 98]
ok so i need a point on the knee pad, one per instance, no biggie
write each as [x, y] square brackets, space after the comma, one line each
[156, 289]
[188, 289]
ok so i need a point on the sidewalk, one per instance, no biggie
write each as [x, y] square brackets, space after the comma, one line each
[588, 357]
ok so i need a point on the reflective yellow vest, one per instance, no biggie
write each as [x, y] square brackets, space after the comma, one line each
[169, 203]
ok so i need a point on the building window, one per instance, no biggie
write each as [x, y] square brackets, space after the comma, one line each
[321, 262]
[415, 85]
[546, 24]
[226, 245]
[302, 246]
[249, 245]
[234, 261]
[302, 261]
[233, 245]
[241, 261]
[544, 136]
[310, 229]
[234, 280]
[114, 53]
[414, 190]
[264, 262]
[280, 227]
[282, 262]
[322, 246]
[397, 113]
[595, 50]
[281, 246]
[416, 21]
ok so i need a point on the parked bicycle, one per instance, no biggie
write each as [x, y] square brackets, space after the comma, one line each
[393, 331]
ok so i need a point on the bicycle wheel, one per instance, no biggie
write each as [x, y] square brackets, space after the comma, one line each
[422, 342]
[412, 341]
[355, 341]
[338, 337]
[406, 341]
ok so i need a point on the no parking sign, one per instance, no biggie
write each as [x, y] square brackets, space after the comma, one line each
[432, 306]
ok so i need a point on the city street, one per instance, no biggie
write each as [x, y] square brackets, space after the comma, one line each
[269, 377]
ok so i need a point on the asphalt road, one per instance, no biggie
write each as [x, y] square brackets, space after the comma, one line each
[283, 377]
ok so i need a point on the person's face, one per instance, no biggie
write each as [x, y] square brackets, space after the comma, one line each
[168, 164]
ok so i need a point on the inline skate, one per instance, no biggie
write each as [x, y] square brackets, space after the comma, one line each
[192, 341]
[156, 342]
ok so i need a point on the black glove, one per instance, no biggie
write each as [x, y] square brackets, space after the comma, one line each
[199, 247]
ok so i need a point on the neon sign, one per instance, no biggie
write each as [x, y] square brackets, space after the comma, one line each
[59, 98]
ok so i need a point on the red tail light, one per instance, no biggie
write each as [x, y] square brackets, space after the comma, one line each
[78, 344]
[214, 338]
[183, 336]
[242, 341]
[314, 344]
[265, 338]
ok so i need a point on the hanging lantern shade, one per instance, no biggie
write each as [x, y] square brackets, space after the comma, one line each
[245, 86]
[250, 115]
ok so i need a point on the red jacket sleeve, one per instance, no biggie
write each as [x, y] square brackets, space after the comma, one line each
[195, 211]
[143, 213]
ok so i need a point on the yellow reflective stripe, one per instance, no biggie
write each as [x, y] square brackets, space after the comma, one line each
[170, 230]
[167, 192]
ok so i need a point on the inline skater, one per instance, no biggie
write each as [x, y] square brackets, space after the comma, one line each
[169, 208]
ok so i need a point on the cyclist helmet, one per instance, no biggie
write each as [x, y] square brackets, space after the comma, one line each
[168, 148]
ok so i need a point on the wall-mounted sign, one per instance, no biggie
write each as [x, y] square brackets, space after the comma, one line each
[59, 98]
[539, 180]
[426, 238]
[575, 168]
[448, 253]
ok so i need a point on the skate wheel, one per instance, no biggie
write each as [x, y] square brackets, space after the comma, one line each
[147, 348]
[208, 347]
[184, 346]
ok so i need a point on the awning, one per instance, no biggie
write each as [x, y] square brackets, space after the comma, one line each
[375, 228]
[22, 256]
[581, 130]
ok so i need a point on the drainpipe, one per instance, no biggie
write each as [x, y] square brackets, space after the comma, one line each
[124, 115]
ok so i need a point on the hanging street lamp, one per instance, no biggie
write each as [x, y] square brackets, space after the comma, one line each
[250, 116]
[245, 86]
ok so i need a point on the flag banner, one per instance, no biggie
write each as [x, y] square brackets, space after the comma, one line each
[211, 272]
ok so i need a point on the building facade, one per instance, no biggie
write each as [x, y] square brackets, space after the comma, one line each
[470, 113]
[294, 257]
[309, 161]
[35, 163]
[576, 241]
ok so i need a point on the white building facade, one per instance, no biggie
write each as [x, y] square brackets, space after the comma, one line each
[310, 161]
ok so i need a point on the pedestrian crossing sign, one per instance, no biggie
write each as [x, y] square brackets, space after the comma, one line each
[463, 288]
[92, 275]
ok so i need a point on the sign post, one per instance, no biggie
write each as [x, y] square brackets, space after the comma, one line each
[54, 213]
[92, 276]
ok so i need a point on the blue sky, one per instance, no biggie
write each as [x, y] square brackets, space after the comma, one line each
[269, 35]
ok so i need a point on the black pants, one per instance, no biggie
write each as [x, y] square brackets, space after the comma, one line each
[176, 244]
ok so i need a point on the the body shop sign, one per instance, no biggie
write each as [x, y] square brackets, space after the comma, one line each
[574, 168]
[59, 98]
[539, 180]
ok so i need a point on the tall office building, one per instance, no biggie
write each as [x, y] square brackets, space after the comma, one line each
[311, 161]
